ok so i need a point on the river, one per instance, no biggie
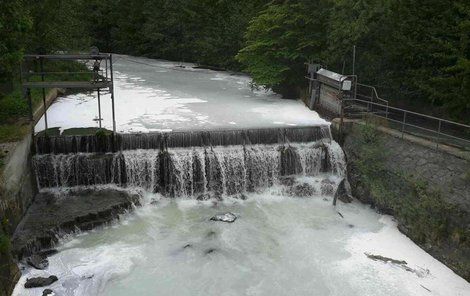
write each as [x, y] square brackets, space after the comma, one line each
[280, 244]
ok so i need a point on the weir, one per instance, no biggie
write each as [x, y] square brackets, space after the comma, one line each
[243, 161]
[111, 143]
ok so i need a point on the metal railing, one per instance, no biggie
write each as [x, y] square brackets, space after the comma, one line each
[437, 130]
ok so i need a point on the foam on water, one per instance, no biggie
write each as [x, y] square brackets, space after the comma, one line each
[278, 246]
[151, 100]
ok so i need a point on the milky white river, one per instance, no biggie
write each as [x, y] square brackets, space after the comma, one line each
[279, 245]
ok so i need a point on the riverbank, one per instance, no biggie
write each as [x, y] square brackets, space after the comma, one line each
[425, 189]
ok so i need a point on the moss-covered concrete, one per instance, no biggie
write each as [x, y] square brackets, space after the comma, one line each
[424, 189]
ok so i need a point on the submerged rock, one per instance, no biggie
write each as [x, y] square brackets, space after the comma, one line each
[48, 292]
[37, 261]
[211, 234]
[209, 251]
[227, 217]
[385, 259]
[40, 281]
[204, 196]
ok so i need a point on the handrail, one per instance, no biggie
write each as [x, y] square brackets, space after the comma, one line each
[411, 112]
[375, 92]
[439, 132]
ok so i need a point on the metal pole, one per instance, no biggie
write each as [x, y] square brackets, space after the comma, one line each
[30, 103]
[41, 63]
[99, 107]
[354, 60]
[112, 91]
[403, 126]
[344, 66]
[438, 134]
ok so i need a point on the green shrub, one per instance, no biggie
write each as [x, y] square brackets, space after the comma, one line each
[4, 243]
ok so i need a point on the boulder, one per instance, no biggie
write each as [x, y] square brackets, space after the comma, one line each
[303, 190]
[37, 261]
[204, 196]
[48, 292]
[40, 281]
[343, 193]
[227, 217]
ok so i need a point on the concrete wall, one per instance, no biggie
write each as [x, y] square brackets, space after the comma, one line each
[443, 169]
[443, 172]
[17, 190]
[17, 185]
[426, 189]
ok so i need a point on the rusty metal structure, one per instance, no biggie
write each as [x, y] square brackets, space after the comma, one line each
[342, 96]
[34, 75]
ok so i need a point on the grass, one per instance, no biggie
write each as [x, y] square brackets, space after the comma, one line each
[12, 132]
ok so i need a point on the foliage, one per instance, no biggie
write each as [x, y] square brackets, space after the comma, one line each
[14, 23]
[4, 243]
[427, 217]
[202, 31]
[281, 39]
[417, 54]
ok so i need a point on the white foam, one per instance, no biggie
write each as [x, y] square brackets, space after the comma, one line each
[278, 246]
[148, 99]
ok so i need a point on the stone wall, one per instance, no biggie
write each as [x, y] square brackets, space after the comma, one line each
[443, 172]
[426, 189]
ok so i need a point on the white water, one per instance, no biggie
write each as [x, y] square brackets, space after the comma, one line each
[154, 95]
[278, 246]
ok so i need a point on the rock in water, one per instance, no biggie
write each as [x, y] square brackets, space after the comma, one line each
[37, 261]
[227, 217]
[40, 281]
[343, 193]
[48, 292]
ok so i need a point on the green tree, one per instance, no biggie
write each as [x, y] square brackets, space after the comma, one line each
[14, 24]
[281, 39]
[56, 25]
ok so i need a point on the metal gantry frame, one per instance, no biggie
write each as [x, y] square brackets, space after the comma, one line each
[438, 130]
[34, 76]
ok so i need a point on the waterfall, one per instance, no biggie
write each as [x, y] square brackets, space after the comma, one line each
[197, 172]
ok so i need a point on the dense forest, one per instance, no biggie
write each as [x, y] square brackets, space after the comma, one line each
[417, 52]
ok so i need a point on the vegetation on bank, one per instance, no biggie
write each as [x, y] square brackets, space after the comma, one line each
[14, 107]
[423, 215]
[418, 54]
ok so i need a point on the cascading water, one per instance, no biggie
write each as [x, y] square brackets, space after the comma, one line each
[192, 172]
[278, 153]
